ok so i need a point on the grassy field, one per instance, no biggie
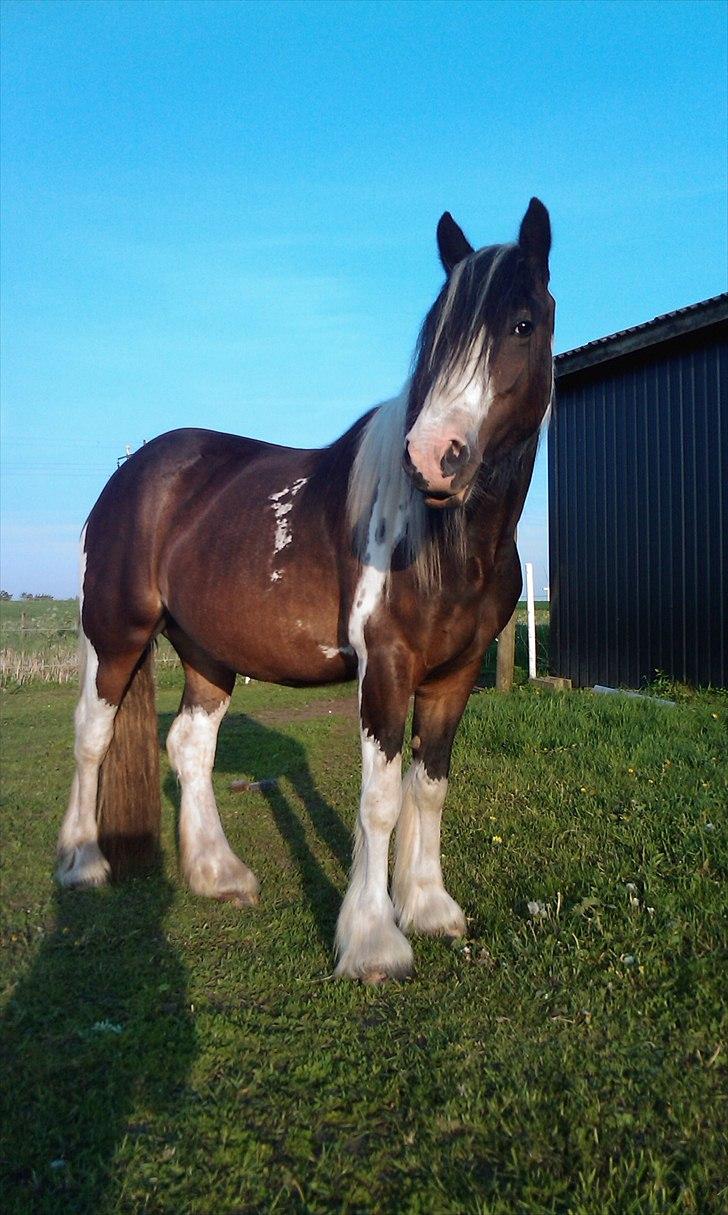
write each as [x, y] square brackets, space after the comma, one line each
[167, 1054]
[39, 641]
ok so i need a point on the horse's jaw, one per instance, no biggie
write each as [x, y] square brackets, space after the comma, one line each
[448, 501]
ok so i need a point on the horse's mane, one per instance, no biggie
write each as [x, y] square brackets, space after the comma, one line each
[378, 479]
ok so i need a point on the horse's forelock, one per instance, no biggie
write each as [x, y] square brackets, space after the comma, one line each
[468, 320]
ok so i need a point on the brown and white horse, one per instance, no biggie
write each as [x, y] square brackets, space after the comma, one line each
[389, 556]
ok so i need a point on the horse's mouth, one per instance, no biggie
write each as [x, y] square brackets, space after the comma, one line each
[437, 499]
[446, 501]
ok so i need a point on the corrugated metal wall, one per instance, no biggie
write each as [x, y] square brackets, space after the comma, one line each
[638, 517]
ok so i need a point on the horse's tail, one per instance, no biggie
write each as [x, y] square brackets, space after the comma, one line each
[129, 804]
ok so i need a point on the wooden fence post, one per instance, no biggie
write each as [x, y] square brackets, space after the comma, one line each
[506, 656]
[506, 659]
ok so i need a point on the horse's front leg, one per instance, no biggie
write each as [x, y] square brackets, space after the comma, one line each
[421, 901]
[369, 945]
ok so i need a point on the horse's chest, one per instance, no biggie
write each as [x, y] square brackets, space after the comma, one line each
[437, 628]
[453, 631]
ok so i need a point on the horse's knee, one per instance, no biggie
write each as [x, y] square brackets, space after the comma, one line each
[379, 817]
[192, 740]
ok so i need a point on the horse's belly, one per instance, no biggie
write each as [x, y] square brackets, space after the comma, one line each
[292, 648]
[281, 632]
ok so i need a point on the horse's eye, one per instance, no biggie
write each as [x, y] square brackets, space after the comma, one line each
[523, 328]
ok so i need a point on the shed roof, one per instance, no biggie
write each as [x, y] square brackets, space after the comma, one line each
[651, 333]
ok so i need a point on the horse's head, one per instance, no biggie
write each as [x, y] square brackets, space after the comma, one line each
[483, 375]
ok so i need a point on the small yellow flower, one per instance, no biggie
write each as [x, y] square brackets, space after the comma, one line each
[631, 771]
[496, 839]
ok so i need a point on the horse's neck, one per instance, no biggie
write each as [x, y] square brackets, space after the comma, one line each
[498, 503]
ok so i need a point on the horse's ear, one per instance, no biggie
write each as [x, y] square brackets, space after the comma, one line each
[534, 238]
[451, 242]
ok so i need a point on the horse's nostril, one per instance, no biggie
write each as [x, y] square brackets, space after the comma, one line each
[455, 458]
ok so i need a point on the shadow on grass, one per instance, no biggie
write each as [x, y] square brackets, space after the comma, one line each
[97, 1039]
[248, 749]
[98, 1031]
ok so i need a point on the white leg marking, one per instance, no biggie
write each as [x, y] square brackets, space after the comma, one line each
[80, 860]
[369, 945]
[421, 901]
[209, 865]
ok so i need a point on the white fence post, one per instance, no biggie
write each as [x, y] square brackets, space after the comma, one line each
[531, 622]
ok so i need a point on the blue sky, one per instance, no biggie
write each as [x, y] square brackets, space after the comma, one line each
[223, 214]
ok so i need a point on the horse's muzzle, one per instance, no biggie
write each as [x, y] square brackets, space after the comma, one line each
[457, 469]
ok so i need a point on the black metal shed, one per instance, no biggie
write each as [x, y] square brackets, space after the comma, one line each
[638, 503]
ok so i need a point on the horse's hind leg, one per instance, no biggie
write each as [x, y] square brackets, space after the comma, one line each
[422, 903]
[80, 860]
[208, 863]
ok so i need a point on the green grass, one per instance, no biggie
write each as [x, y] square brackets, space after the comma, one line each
[167, 1054]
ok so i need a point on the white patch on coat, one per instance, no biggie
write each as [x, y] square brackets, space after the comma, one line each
[281, 509]
[80, 860]
[283, 535]
[421, 901]
[209, 865]
[369, 945]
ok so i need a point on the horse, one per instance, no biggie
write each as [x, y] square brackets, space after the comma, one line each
[388, 556]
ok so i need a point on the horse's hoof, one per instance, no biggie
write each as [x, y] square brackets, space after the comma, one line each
[82, 867]
[226, 879]
[239, 898]
[374, 978]
[432, 912]
[376, 965]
